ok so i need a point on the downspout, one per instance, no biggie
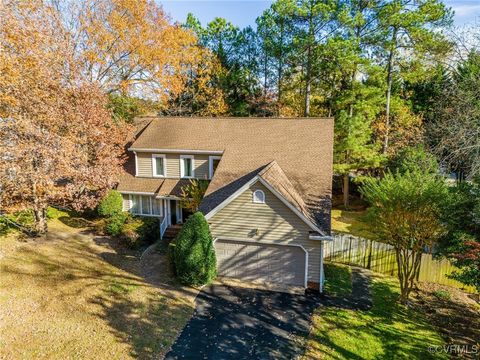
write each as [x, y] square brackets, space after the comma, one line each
[322, 276]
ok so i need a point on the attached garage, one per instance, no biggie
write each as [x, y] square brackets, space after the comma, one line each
[261, 262]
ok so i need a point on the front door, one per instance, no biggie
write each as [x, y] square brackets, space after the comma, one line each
[173, 212]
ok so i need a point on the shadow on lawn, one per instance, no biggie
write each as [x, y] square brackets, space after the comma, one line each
[146, 315]
[151, 323]
[148, 325]
[378, 322]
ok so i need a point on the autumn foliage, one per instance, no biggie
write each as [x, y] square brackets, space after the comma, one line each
[59, 60]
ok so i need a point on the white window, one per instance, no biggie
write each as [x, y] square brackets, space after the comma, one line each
[213, 162]
[145, 205]
[135, 205]
[146, 208]
[157, 207]
[259, 197]
[159, 165]
[186, 166]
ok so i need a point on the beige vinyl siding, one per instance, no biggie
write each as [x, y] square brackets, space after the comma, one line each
[201, 166]
[275, 222]
[173, 165]
[126, 202]
[144, 164]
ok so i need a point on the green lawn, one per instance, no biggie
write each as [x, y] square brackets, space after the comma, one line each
[338, 281]
[387, 331]
[351, 222]
[75, 295]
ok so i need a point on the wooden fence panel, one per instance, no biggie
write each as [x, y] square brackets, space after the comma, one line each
[380, 257]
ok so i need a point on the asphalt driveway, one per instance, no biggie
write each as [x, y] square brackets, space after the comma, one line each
[240, 323]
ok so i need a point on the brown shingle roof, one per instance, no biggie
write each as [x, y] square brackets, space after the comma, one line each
[275, 177]
[160, 187]
[302, 148]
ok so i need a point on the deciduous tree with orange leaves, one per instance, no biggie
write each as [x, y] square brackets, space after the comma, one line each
[59, 143]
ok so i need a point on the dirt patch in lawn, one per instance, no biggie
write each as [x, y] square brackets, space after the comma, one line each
[74, 295]
[454, 313]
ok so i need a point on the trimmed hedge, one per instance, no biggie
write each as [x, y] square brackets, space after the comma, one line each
[193, 252]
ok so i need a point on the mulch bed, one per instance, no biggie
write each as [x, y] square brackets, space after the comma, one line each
[454, 313]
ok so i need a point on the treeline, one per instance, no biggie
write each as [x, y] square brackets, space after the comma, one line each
[388, 71]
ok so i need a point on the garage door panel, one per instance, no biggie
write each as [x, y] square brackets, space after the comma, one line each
[261, 262]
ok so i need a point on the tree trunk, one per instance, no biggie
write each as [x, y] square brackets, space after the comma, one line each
[391, 56]
[40, 215]
[308, 77]
[408, 263]
[346, 190]
[307, 87]
[39, 212]
[280, 67]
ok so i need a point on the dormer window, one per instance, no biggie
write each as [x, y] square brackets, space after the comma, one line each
[259, 197]
[159, 165]
[186, 166]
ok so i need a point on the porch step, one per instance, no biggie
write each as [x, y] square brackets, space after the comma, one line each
[171, 232]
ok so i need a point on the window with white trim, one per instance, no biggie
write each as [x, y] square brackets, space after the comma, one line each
[186, 166]
[258, 197]
[213, 162]
[159, 165]
[146, 208]
[145, 205]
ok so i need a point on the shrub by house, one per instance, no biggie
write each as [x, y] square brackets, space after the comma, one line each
[193, 252]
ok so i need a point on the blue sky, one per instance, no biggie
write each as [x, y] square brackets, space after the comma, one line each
[243, 13]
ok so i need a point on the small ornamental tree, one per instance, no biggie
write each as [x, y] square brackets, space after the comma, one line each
[406, 212]
[193, 252]
[192, 194]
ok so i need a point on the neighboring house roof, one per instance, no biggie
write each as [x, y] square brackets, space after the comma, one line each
[294, 156]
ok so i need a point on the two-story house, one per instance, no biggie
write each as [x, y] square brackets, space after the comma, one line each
[268, 201]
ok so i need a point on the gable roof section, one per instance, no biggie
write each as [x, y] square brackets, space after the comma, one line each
[302, 149]
[275, 180]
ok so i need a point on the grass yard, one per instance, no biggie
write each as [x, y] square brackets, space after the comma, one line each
[387, 331]
[351, 222]
[338, 280]
[75, 295]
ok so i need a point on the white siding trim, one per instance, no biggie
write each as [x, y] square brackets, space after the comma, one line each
[291, 207]
[136, 163]
[321, 238]
[154, 165]
[254, 242]
[136, 193]
[210, 165]
[178, 151]
[256, 199]
[322, 276]
[182, 175]
[232, 197]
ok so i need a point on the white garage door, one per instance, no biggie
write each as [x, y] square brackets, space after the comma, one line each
[247, 261]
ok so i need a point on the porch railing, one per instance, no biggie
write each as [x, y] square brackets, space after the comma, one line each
[163, 226]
